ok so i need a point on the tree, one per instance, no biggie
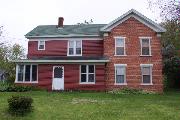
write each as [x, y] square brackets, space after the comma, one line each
[170, 39]
[8, 53]
[169, 9]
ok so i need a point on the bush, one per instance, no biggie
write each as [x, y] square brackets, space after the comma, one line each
[6, 87]
[130, 91]
[20, 105]
[171, 69]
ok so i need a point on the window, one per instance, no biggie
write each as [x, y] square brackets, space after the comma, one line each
[75, 48]
[120, 73]
[146, 70]
[26, 73]
[119, 46]
[41, 45]
[145, 46]
[87, 74]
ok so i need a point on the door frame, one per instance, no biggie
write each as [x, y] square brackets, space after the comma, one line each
[53, 75]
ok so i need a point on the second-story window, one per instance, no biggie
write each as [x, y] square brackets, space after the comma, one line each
[41, 45]
[75, 48]
[145, 46]
[119, 46]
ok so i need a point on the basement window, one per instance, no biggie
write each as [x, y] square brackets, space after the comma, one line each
[26, 73]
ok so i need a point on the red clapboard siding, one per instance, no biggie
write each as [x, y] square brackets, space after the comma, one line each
[92, 47]
[59, 48]
[71, 77]
[52, 48]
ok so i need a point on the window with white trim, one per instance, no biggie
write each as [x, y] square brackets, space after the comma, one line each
[74, 47]
[120, 74]
[41, 45]
[119, 46]
[145, 46]
[87, 74]
[26, 73]
[146, 71]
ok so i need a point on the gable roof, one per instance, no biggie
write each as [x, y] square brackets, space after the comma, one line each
[140, 17]
[52, 31]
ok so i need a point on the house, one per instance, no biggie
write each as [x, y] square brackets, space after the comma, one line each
[124, 53]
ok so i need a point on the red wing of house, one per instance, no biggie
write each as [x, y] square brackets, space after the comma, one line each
[124, 53]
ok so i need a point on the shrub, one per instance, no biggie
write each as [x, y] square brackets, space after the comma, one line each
[130, 91]
[20, 105]
[6, 87]
[171, 69]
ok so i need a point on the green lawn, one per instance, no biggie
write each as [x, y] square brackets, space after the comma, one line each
[97, 106]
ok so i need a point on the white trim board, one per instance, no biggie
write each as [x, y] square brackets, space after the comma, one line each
[60, 61]
[62, 36]
[49, 39]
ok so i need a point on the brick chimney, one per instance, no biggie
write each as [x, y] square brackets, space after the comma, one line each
[60, 22]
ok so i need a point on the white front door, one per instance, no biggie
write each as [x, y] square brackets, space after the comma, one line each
[58, 78]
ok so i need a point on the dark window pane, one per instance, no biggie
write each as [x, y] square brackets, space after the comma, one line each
[78, 51]
[91, 68]
[119, 50]
[41, 46]
[58, 72]
[71, 52]
[83, 77]
[27, 73]
[119, 78]
[91, 78]
[145, 51]
[83, 68]
[34, 72]
[146, 79]
[20, 73]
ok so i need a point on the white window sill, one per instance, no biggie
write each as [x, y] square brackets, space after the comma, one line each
[40, 49]
[25, 82]
[84, 83]
[120, 55]
[120, 84]
[145, 55]
[146, 84]
[74, 55]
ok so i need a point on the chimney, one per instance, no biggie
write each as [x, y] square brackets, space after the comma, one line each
[60, 22]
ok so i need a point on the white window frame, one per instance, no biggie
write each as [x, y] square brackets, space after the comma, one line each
[17, 67]
[124, 39]
[121, 65]
[74, 48]
[149, 38]
[44, 44]
[87, 73]
[151, 79]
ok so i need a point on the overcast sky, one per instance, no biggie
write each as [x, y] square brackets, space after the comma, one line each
[20, 16]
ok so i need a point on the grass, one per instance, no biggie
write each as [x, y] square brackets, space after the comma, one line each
[97, 106]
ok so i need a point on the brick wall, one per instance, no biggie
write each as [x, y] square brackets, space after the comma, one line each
[132, 29]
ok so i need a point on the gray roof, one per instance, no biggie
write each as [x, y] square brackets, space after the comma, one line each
[65, 59]
[90, 30]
